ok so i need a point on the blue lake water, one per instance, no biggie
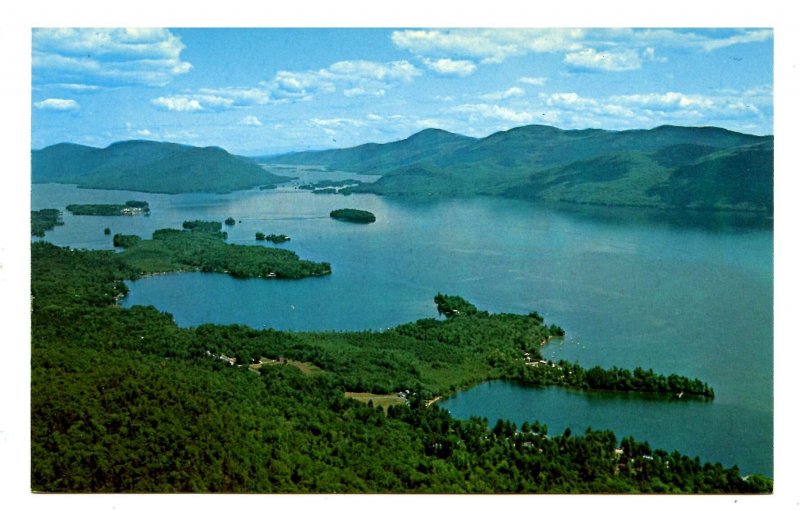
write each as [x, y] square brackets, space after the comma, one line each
[688, 293]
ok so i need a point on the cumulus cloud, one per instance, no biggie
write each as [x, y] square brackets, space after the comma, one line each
[459, 68]
[667, 100]
[250, 120]
[592, 60]
[490, 45]
[213, 100]
[358, 77]
[177, 104]
[512, 92]
[533, 80]
[57, 104]
[361, 91]
[104, 56]
[238, 96]
[482, 111]
[145, 133]
[584, 49]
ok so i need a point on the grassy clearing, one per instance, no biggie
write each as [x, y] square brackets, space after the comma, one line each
[382, 400]
[305, 367]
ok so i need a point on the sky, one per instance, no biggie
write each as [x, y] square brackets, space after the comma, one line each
[266, 91]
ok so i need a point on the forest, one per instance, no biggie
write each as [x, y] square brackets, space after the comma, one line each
[124, 400]
[131, 207]
[200, 246]
[45, 220]
[353, 215]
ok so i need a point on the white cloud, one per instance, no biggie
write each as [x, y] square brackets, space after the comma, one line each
[483, 110]
[533, 80]
[78, 87]
[667, 100]
[649, 54]
[566, 100]
[430, 123]
[335, 122]
[107, 56]
[490, 45]
[211, 99]
[358, 77]
[591, 59]
[177, 104]
[512, 92]
[239, 96]
[357, 70]
[250, 120]
[753, 36]
[459, 68]
[57, 104]
[360, 91]
[145, 133]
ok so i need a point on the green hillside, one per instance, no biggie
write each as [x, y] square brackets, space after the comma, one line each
[428, 145]
[145, 166]
[666, 167]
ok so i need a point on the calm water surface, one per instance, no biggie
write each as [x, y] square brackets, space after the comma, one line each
[684, 293]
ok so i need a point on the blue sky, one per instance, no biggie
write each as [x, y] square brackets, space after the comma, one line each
[262, 91]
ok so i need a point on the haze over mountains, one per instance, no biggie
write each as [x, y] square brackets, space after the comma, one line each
[667, 167]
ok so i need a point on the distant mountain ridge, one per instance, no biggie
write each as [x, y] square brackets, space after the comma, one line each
[147, 166]
[667, 166]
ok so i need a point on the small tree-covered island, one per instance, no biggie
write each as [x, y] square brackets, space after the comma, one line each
[130, 208]
[124, 400]
[353, 215]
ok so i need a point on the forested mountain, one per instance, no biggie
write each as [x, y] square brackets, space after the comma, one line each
[668, 166]
[147, 166]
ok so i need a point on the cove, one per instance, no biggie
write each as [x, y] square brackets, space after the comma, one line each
[668, 424]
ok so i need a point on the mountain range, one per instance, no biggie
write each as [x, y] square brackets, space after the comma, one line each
[664, 167]
[667, 166]
[146, 166]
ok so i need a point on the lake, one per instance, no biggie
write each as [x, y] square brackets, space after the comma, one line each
[689, 293]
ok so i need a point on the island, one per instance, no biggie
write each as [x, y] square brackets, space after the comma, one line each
[130, 208]
[277, 238]
[353, 215]
[230, 221]
[201, 246]
[44, 220]
[284, 412]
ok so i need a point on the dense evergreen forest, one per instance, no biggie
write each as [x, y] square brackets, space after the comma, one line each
[123, 400]
[353, 215]
[201, 246]
[44, 220]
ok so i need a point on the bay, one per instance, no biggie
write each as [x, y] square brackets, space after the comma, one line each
[689, 293]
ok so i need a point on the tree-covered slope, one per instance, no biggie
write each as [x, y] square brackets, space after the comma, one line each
[428, 145]
[123, 400]
[147, 166]
[668, 166]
